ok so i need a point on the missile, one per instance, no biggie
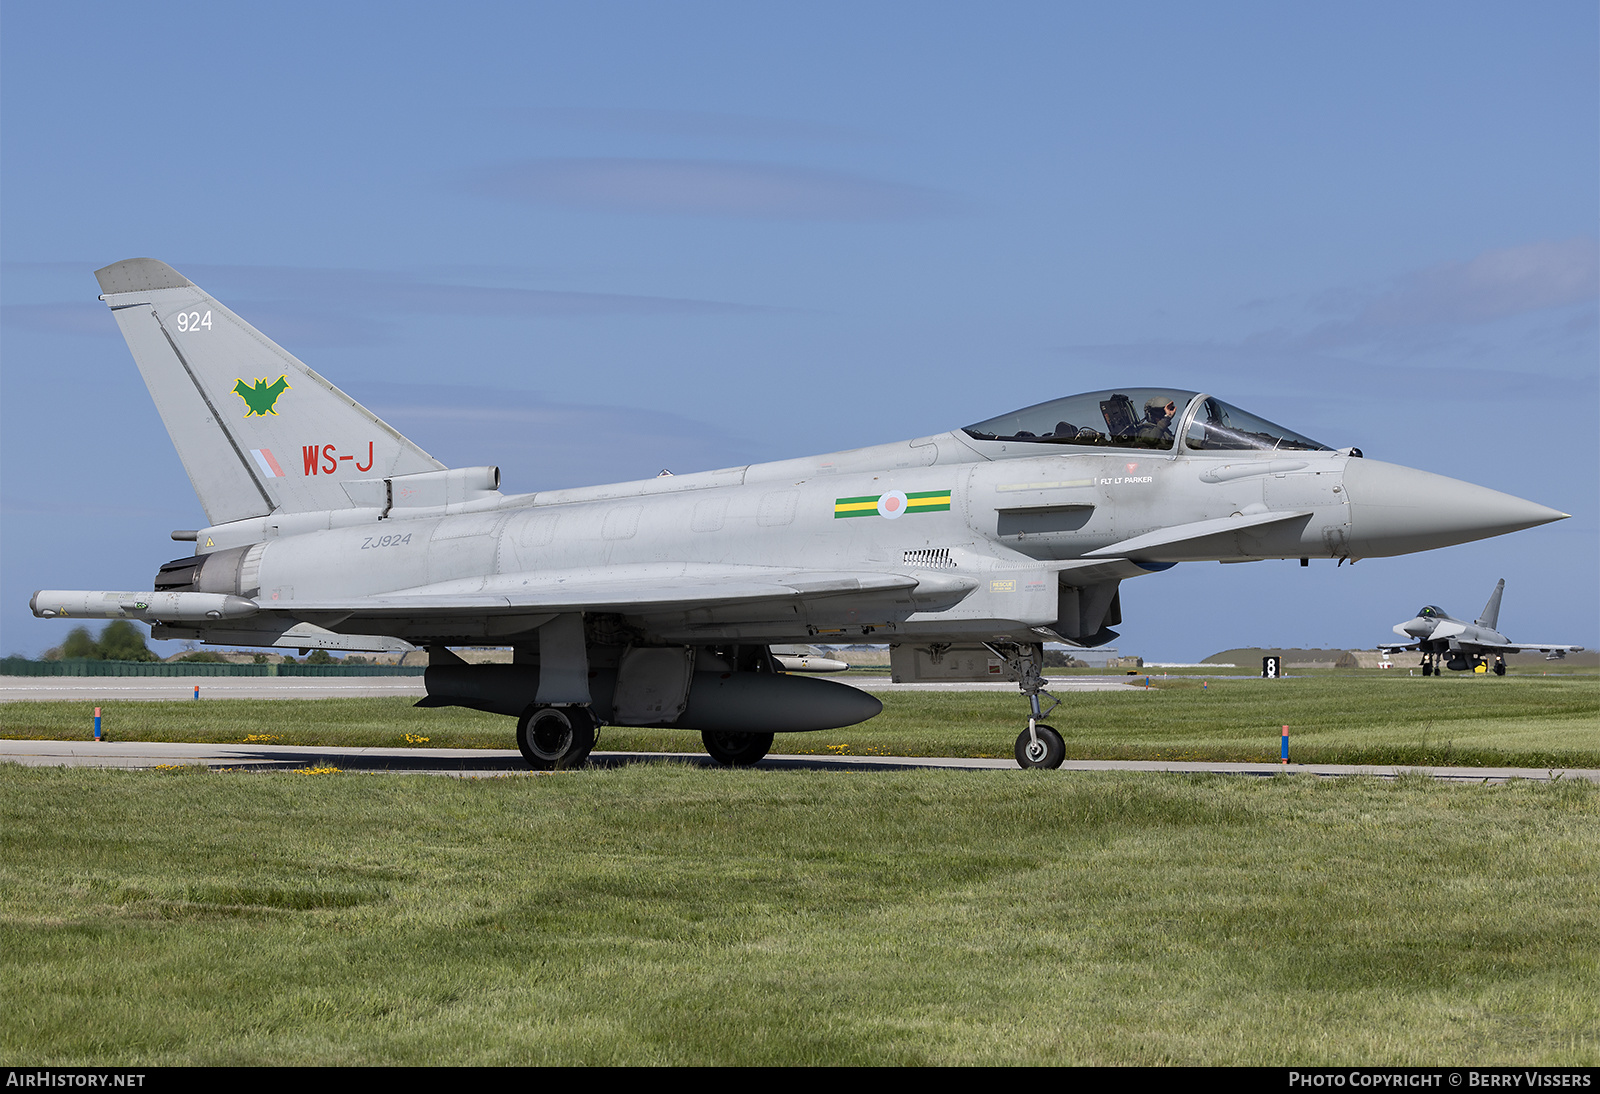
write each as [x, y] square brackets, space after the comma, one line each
[150, 607]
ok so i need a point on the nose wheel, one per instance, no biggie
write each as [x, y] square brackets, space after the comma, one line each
[1040, 746]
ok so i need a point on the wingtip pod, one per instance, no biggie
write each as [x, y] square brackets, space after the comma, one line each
[150, 607]
[139, 275]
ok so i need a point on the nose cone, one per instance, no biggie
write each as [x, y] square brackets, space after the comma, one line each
[1397, 510]
[1414, 628]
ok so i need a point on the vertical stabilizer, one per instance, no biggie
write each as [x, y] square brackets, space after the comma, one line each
[1491, 611]
[257, 430]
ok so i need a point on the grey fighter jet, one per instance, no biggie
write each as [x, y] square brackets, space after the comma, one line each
[1447, 643]
[658, 602]
[806, 659]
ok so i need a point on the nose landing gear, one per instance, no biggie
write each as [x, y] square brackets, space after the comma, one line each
[1039, 745]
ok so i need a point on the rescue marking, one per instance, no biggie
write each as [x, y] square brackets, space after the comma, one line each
[892, 505]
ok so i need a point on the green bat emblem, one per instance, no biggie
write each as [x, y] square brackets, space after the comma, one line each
[262, 395]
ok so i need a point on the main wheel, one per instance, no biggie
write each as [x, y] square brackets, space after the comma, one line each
[555, 738]
[1499, 667]
[1427, 668]
[736, 749]
[1048, 751]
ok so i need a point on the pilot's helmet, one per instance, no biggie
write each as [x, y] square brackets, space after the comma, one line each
[1157, 405]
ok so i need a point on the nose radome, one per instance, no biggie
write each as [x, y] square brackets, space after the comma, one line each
[1396, 510]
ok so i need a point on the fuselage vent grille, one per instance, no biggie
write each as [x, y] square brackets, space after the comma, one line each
[938, 557]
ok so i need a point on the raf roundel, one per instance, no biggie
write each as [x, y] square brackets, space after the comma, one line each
[892, 505]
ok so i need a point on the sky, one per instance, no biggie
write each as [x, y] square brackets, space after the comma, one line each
[586, 242]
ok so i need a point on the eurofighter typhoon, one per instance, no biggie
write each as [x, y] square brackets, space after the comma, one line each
[658, 602]
[1449, 643]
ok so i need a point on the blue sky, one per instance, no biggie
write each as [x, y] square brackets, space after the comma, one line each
[585, 242]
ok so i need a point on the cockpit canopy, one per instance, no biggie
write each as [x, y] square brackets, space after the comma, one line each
[1143, 417]
[1432, 611]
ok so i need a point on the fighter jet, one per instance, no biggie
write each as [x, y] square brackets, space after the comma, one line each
[658, 602]
[1448, 643]
[806, 659]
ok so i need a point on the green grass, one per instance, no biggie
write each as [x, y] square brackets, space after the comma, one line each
[1526, 721]
[663, 914]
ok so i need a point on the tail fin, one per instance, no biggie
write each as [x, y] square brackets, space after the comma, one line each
[1491, 611]
[257, 430]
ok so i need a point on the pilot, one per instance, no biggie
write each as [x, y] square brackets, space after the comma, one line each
[1159, 411]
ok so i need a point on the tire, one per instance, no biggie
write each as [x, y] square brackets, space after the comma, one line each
[555, 738]
[1499, 668]
[1047, 752]
[736, 749]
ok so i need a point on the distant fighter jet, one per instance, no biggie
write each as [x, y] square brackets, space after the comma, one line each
[806, 659]
[1448, 643]
[658, 602]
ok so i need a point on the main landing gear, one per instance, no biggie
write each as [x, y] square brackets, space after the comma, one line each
[736, 749]
[556, 738]
[1433, 664]
[1039, 745]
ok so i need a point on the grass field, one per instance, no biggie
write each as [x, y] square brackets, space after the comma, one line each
[1520, 721]
[663, 914]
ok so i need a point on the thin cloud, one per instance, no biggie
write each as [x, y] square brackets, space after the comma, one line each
[1284, 368]
[382, 291]
[542, 445]
[1466, 320]
[1495, 285]
[278, 287]
[87, 319]
[292, 304]
[697, 124]
[708, 188]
